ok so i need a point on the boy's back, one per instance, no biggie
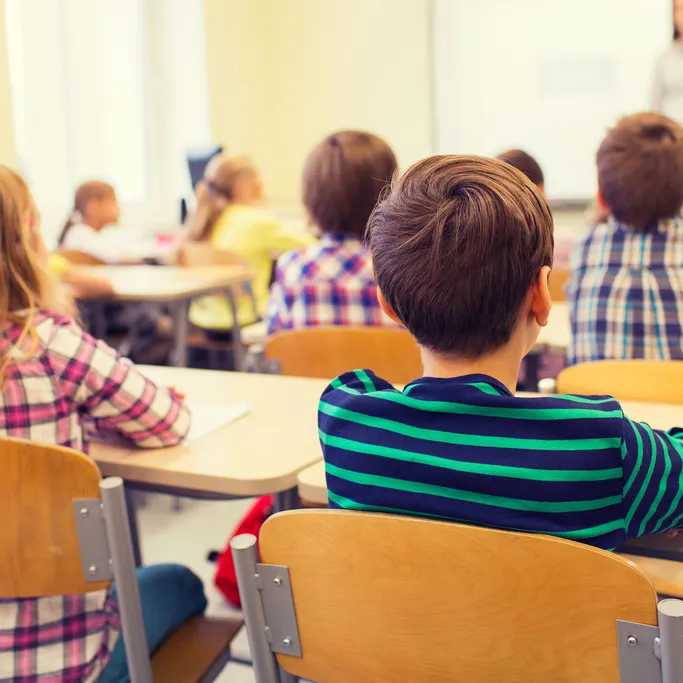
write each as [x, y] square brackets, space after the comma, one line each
[625, 293]
[462, 248]
[466, 449]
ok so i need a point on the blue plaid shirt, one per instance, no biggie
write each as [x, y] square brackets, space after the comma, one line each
[625, 293]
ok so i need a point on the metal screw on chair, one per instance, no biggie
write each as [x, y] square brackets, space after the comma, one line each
[84, 512]
[287, 642]
[632, 640]
[92, 569]
[277, 581]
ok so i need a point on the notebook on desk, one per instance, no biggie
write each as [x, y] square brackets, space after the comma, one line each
[207, 417]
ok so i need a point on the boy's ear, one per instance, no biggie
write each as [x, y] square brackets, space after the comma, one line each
[601, 201]
[541, 302]
[386, 307]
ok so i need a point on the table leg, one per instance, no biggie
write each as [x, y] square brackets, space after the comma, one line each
[287, 500]
[237, 348]
[181, 315]
[533, 368]
[99, 322]
[133, 525]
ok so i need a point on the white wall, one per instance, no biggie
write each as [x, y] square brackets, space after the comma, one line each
[544, 75]
[285, 73]
[8, 155]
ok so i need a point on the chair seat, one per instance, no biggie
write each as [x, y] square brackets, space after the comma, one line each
[197, 651]
[665, 575]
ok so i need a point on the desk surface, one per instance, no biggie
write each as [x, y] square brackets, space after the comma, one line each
[258, 454]
[313, 489]
[169, 283]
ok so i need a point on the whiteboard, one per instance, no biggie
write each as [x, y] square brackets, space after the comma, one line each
[546, 76]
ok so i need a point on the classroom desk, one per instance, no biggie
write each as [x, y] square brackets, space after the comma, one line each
[259, 454]
[175, 287]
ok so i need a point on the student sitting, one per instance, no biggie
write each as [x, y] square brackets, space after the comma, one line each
[57, 382]
[230, 218]
[525, 163]
[332, 283]
[625, 294]
[462, 248]
[95, 208]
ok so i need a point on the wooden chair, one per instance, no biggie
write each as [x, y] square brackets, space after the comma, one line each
[64, 529]
[79, 258]
[375, 598]
[558, 279]
[328, 351]
[627, 380]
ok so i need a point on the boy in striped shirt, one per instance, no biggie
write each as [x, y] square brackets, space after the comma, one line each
[462, 250]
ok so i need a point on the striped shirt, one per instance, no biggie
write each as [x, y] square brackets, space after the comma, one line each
[467, 450]
[625, 294]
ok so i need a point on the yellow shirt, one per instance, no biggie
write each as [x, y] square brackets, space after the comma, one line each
[57, 264]
[256, 236]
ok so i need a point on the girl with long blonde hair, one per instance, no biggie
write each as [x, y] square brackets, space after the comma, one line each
[230, 217]
[55, 378]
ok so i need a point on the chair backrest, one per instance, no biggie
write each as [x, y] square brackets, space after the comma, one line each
[79, 258]
[558, 279]
[198, 254]
[44, 490]
[326, 352]
[627, 380]
[390, 598]
[38, 541]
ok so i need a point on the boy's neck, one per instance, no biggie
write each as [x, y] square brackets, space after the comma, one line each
[503, 365]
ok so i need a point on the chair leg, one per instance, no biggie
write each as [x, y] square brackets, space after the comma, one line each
[121, 549]
[670, 619]
[245, 556]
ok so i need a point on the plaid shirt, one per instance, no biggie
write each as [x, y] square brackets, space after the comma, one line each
[329, 283]
[60, 381]
[625, 293]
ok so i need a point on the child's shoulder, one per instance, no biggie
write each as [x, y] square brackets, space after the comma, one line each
[357, 383]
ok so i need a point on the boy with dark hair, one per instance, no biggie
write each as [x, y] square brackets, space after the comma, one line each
[462, 248]
[625, 294]
[525, 163]
[331, 283]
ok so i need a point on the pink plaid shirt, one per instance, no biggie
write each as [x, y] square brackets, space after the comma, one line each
[61, 383]
[329, 283]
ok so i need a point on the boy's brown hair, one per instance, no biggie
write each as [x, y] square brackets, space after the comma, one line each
[525, 163]
[343, 178]
[640, 169]
[456, 245]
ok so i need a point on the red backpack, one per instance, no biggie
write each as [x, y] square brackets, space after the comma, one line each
[225, 578]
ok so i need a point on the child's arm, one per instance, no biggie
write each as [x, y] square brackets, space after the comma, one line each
[653, 478]
[112, 392]
[84, 285]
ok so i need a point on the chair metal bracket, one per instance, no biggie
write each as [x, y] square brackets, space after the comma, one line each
[638, 652]
[282, 630]
[92, 539]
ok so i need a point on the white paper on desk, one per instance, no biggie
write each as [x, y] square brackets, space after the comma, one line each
[207, 417]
